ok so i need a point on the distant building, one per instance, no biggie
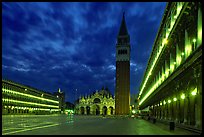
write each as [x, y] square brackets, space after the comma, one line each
[61, 98]
[134, 103]
[98, 103]
[21, 99]
[122, 89]
[69, 105]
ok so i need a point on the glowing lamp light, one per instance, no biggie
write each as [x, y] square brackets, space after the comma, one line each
[174, 63]
[165, 41]
[169, 101]
[182, 53]
[194, 92]
[182, 96]
[194, 40]
[164, 102]
[160, 104]
[175, 99]
[133, 111]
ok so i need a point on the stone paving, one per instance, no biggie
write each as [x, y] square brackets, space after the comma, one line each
[83, 125]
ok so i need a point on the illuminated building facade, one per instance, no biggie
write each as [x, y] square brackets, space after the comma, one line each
[99, 103]
[61, 97]
[20, 99]
[122, 89]
[172, 83]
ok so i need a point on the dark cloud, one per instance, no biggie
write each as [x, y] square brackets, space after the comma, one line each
[72, 45]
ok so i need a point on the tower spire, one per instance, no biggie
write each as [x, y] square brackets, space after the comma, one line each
[123, 28]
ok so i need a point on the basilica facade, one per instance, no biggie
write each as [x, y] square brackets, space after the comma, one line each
[99, 103]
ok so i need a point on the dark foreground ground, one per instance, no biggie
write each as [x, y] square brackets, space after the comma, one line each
[83, 125]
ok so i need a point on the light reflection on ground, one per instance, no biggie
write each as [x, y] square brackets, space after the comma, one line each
[80, 125]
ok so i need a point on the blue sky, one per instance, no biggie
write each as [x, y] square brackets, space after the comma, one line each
[71, 45]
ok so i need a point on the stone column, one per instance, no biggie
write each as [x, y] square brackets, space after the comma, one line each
[85, 113]
[91, 113]
[79, 111]
[192, 119]
[165, 111]
[181, 101]
[162, 111]
[173, 109]
[177, 111]
[93, 110]
[168, 111]
[108, 111]
[198, 105]
[186, 110]
[101, 110]
[198, 110]
[156, 111]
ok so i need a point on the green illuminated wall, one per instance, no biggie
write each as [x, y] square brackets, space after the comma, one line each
[162, 63]
[17, 96]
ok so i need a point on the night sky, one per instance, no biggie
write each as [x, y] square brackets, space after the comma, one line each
[72, 45]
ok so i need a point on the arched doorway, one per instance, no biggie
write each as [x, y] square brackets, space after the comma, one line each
[104, 110]
[97, 110]
[111, 110]
[97, 101]
[82, 110]
[88, 110]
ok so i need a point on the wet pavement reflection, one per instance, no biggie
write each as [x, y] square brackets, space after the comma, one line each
[82, 125]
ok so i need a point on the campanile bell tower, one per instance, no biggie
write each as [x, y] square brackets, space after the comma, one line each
[122, 89]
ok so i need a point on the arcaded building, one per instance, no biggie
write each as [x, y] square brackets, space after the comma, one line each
[21, 99]
[99, 103]
[172, 83]
[122, 89]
